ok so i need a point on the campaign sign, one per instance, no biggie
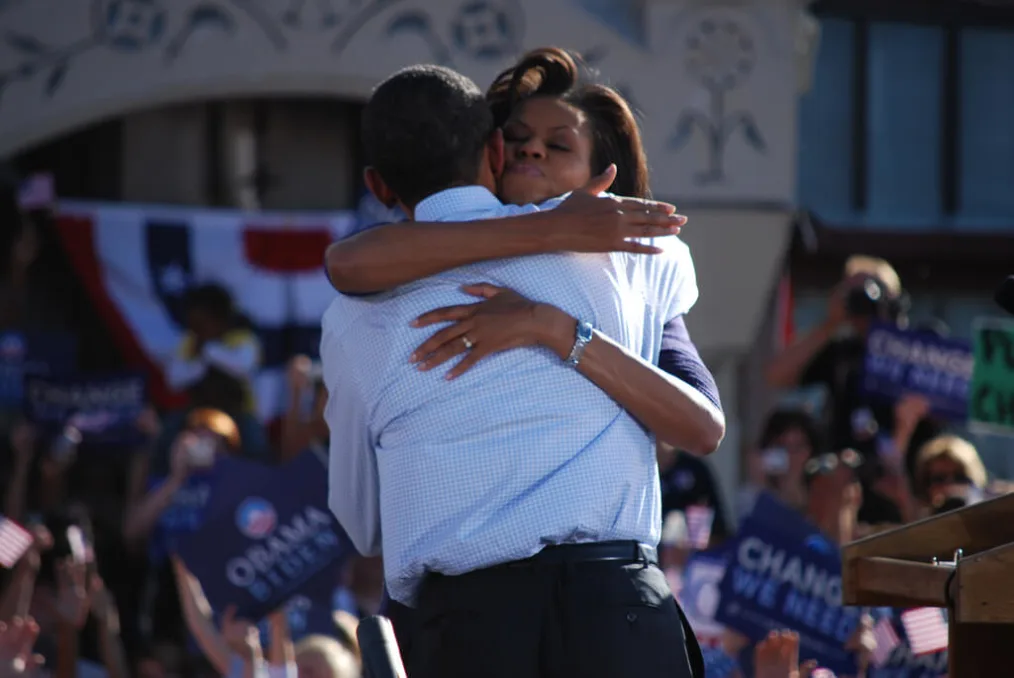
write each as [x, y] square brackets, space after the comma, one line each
[992, 402]
[903, 664]
[783, 574]
[104, 408]
[184, 515]
[903, 361]
[699, 596]
[276, 540]
[31, 354]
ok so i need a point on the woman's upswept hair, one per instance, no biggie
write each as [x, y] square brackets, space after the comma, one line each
[616, 138]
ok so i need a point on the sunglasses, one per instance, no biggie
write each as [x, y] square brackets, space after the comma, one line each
[828, 463]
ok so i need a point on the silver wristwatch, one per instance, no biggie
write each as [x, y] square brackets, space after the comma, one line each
[584, 334]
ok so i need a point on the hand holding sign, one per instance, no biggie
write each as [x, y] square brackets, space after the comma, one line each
[241, 636]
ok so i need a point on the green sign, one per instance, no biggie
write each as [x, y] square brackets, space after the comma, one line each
[991, 401]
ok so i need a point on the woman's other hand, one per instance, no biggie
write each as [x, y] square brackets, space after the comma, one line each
[607, 224]
[504, 320]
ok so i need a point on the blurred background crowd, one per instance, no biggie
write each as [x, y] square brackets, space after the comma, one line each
[178, 240]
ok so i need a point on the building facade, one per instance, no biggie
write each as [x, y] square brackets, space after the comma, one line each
[255, 104]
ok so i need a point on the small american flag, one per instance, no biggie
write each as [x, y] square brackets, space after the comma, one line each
[887, 640]
[14, 541]
[36, 192]
[699, 522]
[926, 629]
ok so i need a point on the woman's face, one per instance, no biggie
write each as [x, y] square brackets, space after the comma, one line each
[943, 474]
[548, 150]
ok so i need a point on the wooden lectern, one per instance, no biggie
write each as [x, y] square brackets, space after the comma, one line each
[896, 569]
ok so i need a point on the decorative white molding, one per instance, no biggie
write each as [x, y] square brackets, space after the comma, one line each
[717, 87]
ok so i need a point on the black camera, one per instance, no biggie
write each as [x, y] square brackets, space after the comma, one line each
[870, 299]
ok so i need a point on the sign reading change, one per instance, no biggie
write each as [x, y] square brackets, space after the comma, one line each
[991, 405]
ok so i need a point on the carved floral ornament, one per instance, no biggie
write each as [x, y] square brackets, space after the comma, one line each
[479, 30]
[720, 49]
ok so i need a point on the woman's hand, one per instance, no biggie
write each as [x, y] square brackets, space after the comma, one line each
[504, 320]
[611, 224]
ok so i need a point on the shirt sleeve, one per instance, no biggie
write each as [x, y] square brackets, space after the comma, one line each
[354, 484]
[680, 358]
[678, 276]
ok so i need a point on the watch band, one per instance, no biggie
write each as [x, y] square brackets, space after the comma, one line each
[584, 334]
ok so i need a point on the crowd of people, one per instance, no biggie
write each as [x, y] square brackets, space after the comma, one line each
[101, 591]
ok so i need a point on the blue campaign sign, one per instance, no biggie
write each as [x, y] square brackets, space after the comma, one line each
[31, 354]
[784, 575]
[104, 407]
[274, 540]
[903, 361]
[310, 612]
[184, 515]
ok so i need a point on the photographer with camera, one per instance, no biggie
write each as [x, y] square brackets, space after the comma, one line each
[833, 355]
[162, 507]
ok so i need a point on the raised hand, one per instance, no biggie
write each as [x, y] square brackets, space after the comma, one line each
[777, 656]
[241, 636]
[17, 638]
[72, 598]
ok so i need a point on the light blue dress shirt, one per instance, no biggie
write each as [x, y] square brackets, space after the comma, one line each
[521, 451]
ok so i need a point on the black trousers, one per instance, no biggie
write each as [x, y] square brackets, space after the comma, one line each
[557, 619]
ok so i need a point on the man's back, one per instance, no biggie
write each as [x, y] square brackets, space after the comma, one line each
[512, 455]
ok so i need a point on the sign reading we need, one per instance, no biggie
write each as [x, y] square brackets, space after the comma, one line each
[275, 538]
[991, 406]
[899, 362]
[783, 574]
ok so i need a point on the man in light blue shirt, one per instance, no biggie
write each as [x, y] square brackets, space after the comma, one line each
[493, 495]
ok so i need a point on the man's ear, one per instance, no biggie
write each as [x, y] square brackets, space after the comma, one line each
[497, 154]
[379, 188]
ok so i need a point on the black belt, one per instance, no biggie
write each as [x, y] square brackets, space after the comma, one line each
[619, 551]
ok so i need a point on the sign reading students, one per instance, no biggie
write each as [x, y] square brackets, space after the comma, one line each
[992, 401]
[904, 361]
[276, 539]
[783, 574]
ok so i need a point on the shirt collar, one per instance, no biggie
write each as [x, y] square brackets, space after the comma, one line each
[453, 200]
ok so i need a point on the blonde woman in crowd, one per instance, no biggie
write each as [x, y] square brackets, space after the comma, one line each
[948, 473]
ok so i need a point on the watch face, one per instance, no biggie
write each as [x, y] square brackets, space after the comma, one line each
[584, 332]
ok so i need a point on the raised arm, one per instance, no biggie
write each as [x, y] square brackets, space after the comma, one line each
[387, 256]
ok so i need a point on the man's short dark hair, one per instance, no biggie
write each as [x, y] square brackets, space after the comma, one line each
[424, 130]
